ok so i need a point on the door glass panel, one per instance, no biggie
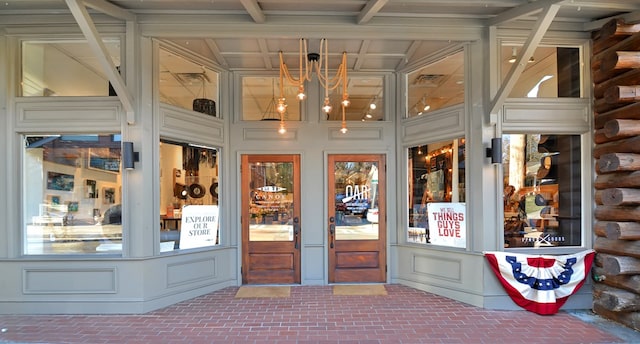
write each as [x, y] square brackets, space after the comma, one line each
[271, 204]
[356, 200]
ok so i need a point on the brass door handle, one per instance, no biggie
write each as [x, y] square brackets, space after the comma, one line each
[332, 231]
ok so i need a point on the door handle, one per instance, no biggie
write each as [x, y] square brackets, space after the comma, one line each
[332, 232]
[296, 231]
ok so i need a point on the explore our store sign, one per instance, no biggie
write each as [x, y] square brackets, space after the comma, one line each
[447, 224]
[199, 226]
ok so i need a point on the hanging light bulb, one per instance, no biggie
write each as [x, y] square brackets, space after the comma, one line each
[282, 105]
[343, 129]
[345, 100]
[301, 95]
[372, 106]
[368, 115]
[327, 105]
[312, 63]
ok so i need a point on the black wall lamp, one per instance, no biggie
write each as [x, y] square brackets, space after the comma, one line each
[129, 157]
[495, 151]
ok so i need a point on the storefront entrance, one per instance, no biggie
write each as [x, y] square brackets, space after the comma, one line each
[271, 219]
[357, 218]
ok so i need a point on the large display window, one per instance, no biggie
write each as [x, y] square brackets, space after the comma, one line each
[436, 86]
[551, 72]
[187, 84]
[542, 192]
[72, 194]
[437, 193]
[65, 68]
[189, 196]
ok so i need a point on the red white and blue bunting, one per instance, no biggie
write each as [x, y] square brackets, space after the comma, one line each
[541, 283]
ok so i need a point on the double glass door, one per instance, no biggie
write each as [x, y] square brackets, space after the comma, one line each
[271, 223]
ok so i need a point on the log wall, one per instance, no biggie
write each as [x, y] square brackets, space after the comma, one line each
[615, 69]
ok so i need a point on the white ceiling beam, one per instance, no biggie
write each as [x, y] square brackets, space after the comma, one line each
[360, 57]
[408, 55]
[213, 47]
[264, 51]
[253, 8]
[370, 9]
[102, 54]
[110, 9]
[522, 11]
[536, 35]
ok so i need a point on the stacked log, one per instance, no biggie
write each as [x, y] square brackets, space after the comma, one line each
[616, 73]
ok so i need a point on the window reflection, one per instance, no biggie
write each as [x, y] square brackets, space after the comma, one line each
[272, 201]
[356, 200]
[72, 194]
[188, 178]
[436, 175]
[541, 190]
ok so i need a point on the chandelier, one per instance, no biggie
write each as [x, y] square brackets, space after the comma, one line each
[318, 64]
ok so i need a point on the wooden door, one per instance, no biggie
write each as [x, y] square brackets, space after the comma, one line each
[357, 218]
[271, 219]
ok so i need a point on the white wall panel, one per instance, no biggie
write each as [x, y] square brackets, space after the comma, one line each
[197, 127]
[69, 281]
[68, 115]
[554, 115]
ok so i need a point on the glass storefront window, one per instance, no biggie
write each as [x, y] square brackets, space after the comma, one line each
[437, 193]
[188, 196]
[260, 97]
[186, 84]
[366, 94]
[542, 190]
[72, 194]
[552, 72]
[436, 86]
[65, 68]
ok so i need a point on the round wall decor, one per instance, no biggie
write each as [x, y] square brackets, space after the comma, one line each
[196, 190]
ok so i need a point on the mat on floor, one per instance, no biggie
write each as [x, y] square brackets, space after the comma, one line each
[360, 289]
[263, 291]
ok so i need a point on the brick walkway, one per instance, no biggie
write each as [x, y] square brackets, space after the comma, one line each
[311, 314]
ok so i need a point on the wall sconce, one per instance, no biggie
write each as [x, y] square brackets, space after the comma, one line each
[495, 151]
[129, 157]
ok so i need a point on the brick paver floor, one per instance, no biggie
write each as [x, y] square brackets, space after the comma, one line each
[311, 314]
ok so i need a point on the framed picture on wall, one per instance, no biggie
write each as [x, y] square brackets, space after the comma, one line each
[91, 189]
[59, 181]
[73, 207]
[104, 159]
[109, 195]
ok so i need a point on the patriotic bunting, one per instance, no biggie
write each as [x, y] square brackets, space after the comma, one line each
[541, 283]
